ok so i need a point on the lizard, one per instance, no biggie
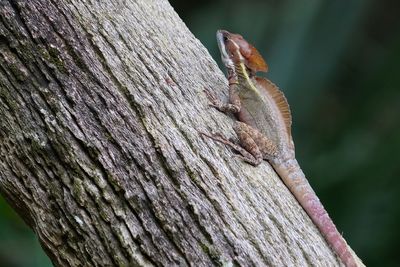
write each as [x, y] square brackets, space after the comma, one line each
[263, 129]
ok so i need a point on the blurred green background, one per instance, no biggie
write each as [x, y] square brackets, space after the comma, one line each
[337, 62]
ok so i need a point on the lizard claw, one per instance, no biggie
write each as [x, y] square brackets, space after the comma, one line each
[249, 160]
[219, 135]
[215, 136]
[233, 140]
[211, 97]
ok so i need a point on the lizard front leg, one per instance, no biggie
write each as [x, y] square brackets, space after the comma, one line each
[234, 100]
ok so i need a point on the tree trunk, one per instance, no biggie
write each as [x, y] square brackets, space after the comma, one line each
[101, 103]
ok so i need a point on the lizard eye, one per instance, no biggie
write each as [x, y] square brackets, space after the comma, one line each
[225, 38]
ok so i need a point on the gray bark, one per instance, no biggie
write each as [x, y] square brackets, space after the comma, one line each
[100, 155]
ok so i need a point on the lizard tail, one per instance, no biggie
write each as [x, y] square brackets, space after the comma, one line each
[294, 178]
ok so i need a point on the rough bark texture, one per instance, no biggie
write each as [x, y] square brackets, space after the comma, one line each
[100, 106]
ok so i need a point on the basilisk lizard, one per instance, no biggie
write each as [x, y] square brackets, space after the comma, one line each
[264, 130]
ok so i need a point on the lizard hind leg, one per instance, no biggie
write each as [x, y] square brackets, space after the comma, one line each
[244, 154]
[255, 142]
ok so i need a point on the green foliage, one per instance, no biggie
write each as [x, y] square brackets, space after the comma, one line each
[19, 247]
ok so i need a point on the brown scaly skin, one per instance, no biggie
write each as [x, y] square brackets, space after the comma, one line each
[264, 131]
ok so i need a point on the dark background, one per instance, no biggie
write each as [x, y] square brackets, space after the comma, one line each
[338, 64]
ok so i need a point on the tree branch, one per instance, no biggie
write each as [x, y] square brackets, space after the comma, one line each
[100, 106]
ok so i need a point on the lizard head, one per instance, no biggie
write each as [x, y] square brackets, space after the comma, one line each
[235, 50]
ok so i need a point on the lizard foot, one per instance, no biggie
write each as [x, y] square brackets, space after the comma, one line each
[250, 159]
[214, 102]
[243, 153]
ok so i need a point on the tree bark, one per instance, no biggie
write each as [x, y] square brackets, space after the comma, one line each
[101, 103]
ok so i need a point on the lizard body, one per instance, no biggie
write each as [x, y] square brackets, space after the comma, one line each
[264, 130]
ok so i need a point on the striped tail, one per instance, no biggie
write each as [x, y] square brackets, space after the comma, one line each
[294, 178]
